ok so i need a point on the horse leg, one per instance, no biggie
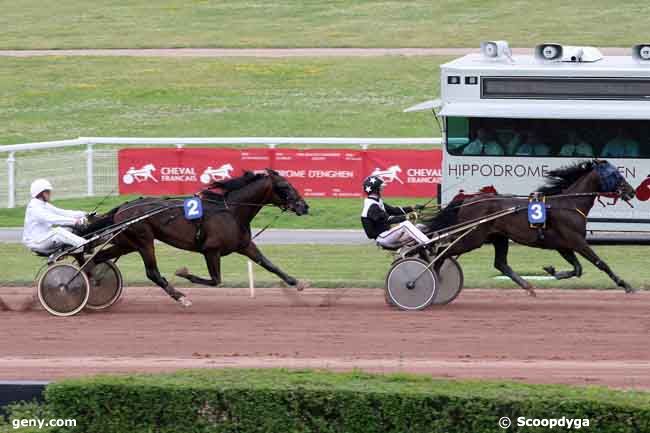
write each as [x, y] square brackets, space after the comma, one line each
[213, 262]
[149, 259]
[570, 257]
[501, 245]
[589, 254]
[253, 253]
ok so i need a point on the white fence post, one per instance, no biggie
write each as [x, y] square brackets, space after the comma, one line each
[90, 170]
[251, 278]
[11, 180]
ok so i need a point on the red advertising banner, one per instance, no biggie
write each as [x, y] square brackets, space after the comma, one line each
[322, 172]
[183, 171]
[407, 173]
[314, 172]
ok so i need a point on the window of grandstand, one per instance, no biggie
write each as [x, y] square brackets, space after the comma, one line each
[548, 137]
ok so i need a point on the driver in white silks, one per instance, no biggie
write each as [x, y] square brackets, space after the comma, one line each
[377, 218]
[45, 225]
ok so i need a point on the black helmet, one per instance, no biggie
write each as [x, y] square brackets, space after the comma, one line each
[372, 185]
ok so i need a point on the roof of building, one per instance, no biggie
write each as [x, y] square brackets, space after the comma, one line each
[528, 63]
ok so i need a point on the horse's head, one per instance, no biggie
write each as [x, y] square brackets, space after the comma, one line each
[612, 181]
[595, 176]
[285, 195]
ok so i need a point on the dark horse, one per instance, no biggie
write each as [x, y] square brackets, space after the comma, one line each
[570, 194]
[224, 228]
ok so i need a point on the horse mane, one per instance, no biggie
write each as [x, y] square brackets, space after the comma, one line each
[447, 216]
[101, 221]
[212, 195]
[561, 178]
[236, 183]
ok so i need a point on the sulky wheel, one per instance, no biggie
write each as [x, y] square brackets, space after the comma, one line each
[410, 284]
[63, 290]
[450, 281]
[105, 286]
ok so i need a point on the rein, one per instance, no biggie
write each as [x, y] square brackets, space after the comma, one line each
[224, 202]
[94, 211]
[263, 229]
[151, 203]
[548, 197]
[181, 197]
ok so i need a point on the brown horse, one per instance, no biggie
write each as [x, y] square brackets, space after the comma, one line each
[223, 229]
[570, 194]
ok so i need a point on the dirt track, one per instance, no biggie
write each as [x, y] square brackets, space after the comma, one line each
[578, 337]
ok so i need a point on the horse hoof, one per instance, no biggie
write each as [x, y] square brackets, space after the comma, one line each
[182, 272]
[629, 289]
[184, 301]
[302, 285]
[532, 293]
[549, 270]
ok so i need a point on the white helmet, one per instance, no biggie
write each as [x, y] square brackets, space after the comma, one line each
[38, 186]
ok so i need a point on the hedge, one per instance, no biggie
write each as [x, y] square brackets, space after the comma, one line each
[235, 400]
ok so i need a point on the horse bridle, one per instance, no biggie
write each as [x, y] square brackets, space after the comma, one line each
[287, 202]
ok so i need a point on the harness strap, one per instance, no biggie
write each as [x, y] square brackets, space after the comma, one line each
[502, 197]
[198, 237]
[581, 213]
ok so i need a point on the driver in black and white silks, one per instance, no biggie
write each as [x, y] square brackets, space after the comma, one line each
[377, 218]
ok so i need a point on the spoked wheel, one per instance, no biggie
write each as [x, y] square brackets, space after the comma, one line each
[45, 267]
[410, 284]
[450, 281]
[63, 290]
[105, 286]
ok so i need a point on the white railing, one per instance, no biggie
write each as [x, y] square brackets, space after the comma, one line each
[89, 156]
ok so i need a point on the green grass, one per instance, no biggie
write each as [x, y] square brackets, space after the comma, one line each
[51, 98]
[292, 23]
[324, 213]
[353, 266]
